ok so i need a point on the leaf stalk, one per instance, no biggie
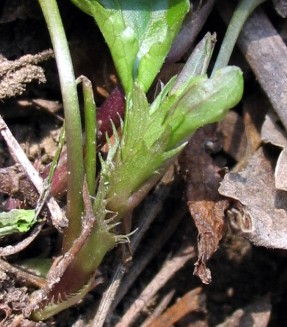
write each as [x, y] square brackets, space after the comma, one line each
[72, 119]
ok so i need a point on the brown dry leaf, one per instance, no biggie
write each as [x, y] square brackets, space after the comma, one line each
[254, 107]
[272, 133]
[260, 212]
[242, 133]
[205, 204]
[256, 314]
[232, 127]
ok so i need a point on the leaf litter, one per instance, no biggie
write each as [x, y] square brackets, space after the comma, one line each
[259, 212]
[205, 204]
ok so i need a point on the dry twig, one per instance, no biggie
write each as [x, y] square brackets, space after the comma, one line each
[58, 218]
[190, 302]
[149, 213]
[169, 268]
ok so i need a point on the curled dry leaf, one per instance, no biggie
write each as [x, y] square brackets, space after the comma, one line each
[272, 133]
[260, 212]
[205, 204]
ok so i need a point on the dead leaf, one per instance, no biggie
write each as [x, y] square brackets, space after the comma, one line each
[233, 129]
[253, 108]
[272, 133]
[260, 213]
[242, 133]
[205, 204]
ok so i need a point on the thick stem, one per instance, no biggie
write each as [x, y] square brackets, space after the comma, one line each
[72, 120]
[75, 283]
[241, 13]
[69, 279]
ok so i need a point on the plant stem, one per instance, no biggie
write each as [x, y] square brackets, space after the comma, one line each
[72, 120]
[91, 133]
[76, 281]
[241, 13]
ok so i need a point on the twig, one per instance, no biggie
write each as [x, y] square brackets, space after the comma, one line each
[7, 65]
[159, 309]
[15, 75]
[190, 302]
[57, 216]
[191, 27]
[170, 267]
[142, 261]
[13, 249]
[150, 211]
[22, 274]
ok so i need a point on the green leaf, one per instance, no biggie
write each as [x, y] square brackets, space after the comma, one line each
[138, 33]
[197, 63]
[152, 137]
[16, 220]
[205, 102]
[162, 111]
[137, 160]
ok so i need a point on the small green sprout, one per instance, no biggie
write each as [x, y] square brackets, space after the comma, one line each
[139, 35]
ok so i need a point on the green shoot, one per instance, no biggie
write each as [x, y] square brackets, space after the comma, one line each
[139, 36]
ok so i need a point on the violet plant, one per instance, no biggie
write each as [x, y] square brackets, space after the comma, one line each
[139, 35]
